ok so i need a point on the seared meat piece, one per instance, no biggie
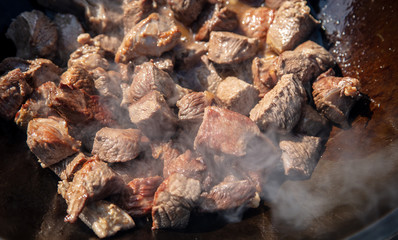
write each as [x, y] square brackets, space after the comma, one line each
[13, 91]
[69, 28]
[237, 95]
[225, 131]
[153, 116]
[67, 168]
[137, 197]
[147, 77]
[228, 48]
[187, 164]
[191, 107]
[229, 194]
[150, 37]
[108, 83]
[300, 155]
[41, 71]
[264, 74]
[164, 62]
[220, 19]
[12, 63]
[165, 152]
[173, 202]
[256, 22]
[88, 56]
[141, 167]
[188, 55]
[335, 96]
[186, 11]
[34, 35]
[118, 145]
[281, 107]
[49, 140]
[292, 25]
[134, 11]
[312, 123]
[77, 77]
[94, 181]
[38, 105]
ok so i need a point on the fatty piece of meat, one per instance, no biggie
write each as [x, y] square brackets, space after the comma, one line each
[228, 194]
[256, 22]
[152, 36]
[94, 181]
[312, 123]
[49, 140]
[67, 168]
[117, 145]
[280, 108]
[220, 19]
[300, 155]
[228, 48]
[13, 91]
[292, 25]
[173, 202]
[147, 77]
[137, 197]
[89, 57]
[134, 11]
[191, 107]
[237, 95]
[225, 131]
[77, 77]
[153, 116]
[334, 97]
[69, 28]
[34, 35]
[187, 164]
[42, 70]
[186, 11]
[264, 74]
[38, 105]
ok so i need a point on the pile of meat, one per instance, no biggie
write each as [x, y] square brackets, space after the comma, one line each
[167, 108]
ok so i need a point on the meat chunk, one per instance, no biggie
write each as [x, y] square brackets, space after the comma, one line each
[264, 74]
[147, 77]
[108, 83]
[281, 107]
[67, 168]
[117, 145]
[312, 123]
[69, 28]
[38, 105]
[228, 48]
[42, 70]
[173, 202]
[34, 35]
[142, 167]
[300, 155]
[228, 194]
[13, 91]
[134, 11]
[256, 22]
[186, 11]
[188, 55]
[187, 164]
[137, 197]
[150, 37]
[49, 140]
[237, 95]
[225, 131]
[153, 116]
[89, 57]
[191, 107]
[275, 4]
[293, 23]
[335, 96]
[12, 63]
[94, 181]
[77, 77]
[220, 19]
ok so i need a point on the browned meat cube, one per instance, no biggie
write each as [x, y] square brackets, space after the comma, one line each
[312, 123]
[153, 116]
[38, 105]
[300, 155]
[12, 63]
[137, 197]
[69, 28]
[237, 95]
[186, 11]
[117, 145]
[94, 181]
[220, 19]
[88, 56]
[334, 97]
[225, 131]
[67, 168]
[187, 164]
[108, 83]
[264, 74]
[41, 71]
[148, 77]
[34, 35]
[13, 91]
[228, 194]
[150, 37]
[228, 48]
[188, 55]
[173, 202]
[256, 22]
[134, 11]
[141, 167]
[49, 140]
[191, 107]
[292, 25]
[77, 77]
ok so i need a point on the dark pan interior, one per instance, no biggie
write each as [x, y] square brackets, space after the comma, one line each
[353, 185]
